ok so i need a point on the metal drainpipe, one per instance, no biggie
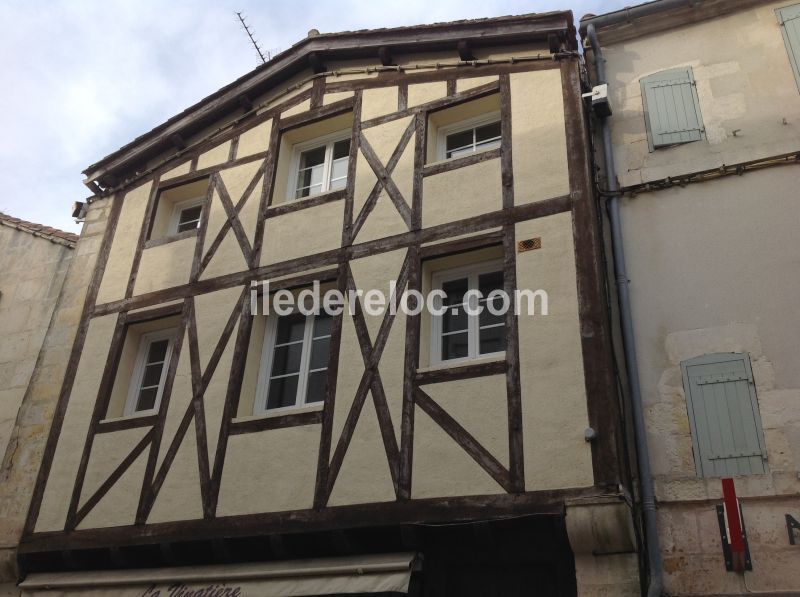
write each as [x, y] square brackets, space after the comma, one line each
[656, 582]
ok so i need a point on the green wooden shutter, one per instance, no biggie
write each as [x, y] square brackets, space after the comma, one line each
[723, 416]
[789, 18]
[672, 110]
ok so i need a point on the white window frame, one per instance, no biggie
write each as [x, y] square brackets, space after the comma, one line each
[265, 368]
[471, 272]
[138, 371]
[177, 208]
[328, 141]
[459, 127]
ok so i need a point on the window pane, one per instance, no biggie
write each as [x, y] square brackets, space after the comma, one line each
[309, 175]
[152, 375]
[458, 141]
[322, 325]
[147, 399]
[339, 174]
[287, 359]
[317, 386]
[312, 157]
[486, 318]
[187, 226]
[341, 149]
[492, 340]
[190, 215]
[489, 282]
[308, 191]
[470, 149]
[320, 351]
[455, 346]
[309, 181]
[486, 145]
[454, 319]
[282, 392]
[290, 328]
[455, 290]
[487, 132]
[157, 351]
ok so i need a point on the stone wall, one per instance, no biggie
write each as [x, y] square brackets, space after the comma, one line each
[44, 285]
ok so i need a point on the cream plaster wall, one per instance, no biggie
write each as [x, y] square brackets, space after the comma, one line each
[378, 101]
[275, 471]
[384, 220]
[305, 232]
[748, 96]
[164, 266]
[421, 93]
[365, 475]
[108, 450]
[554, 398]
[123, 247]
[461, 193]
[471, 82]
[254, 140]
[214, 156]
[179, 170]
[330, 98]
[538, 136]
[480, 406]
[67, 456]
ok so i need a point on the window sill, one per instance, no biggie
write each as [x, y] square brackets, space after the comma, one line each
[291, 205]
[290, 417]
[455, 163]
[465, 369]
[129, 422]
[155, 242]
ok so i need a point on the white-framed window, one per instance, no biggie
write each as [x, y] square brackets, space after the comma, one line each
[320, 165]
[294, 362]
[458, 335]
[150, 372]
[469, 136]
[186, 215]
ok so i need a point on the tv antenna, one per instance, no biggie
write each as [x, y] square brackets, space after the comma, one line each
[250, 35]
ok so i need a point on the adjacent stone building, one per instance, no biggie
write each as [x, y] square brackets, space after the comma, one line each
[706, 137]
[34, 261]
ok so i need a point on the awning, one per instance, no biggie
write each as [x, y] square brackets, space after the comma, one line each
[384, 573]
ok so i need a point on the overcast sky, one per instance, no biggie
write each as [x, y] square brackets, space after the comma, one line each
[82, 78]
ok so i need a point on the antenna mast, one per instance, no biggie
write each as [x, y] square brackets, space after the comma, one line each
[250, 35]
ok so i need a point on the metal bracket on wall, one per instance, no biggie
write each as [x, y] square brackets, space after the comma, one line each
[726, 546]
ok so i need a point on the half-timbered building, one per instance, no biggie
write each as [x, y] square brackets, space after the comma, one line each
[199, 443]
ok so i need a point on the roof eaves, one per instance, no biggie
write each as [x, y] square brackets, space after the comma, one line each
[55, 235]
[361, 43]
[658, 15]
